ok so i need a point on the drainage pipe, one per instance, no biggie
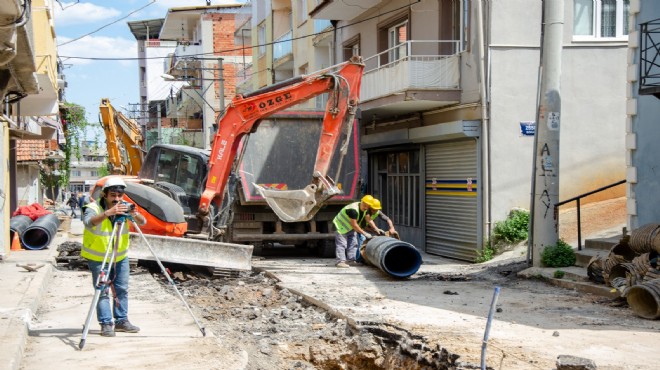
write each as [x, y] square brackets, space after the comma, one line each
[40, 233]
[18, 224]
[644, 299]
[397, 258]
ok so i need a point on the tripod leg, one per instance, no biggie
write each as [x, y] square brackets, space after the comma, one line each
[102, 279]
[169, 279]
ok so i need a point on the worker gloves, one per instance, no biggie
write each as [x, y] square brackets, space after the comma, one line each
[367, 235]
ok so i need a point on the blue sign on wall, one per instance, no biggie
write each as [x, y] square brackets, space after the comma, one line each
[527, 128]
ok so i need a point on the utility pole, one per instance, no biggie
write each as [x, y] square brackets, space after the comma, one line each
[546, 152]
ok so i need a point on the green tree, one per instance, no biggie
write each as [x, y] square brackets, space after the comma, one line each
[75, 125]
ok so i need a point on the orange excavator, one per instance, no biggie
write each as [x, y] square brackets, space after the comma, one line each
[123, 139]
[183, 191]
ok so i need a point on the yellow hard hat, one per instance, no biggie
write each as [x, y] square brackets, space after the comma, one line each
[368, 199]
[375, 204]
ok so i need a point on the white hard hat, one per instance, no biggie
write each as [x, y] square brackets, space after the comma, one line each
[114, 182]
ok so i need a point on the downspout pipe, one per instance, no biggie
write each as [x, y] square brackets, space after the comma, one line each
[485, 117]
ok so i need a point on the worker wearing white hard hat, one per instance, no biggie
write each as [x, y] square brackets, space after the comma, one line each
[99, 223]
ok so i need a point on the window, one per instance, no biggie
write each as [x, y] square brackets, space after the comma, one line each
[94, 173]
[76, 173]
[351, 47]
[302, 11]
[600, 19]
[261, 38]
[396, 41]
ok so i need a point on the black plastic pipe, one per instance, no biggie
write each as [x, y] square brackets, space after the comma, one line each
[18, 224]
[397, 258]
[40, 233]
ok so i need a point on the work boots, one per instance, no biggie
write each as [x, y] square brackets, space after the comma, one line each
[107, 330]
[126, 327]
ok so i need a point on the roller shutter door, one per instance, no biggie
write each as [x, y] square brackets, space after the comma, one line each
[452, 212]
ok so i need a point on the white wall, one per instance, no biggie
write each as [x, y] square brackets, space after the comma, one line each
[593, 107]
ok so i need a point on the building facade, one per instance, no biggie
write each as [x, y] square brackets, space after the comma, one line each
[30, 90]
[643, 109]
[87, 169]
[449, 96]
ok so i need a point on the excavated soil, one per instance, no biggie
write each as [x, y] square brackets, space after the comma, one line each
[280, 330]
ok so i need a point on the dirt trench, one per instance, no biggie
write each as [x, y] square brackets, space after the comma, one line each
[281, 330]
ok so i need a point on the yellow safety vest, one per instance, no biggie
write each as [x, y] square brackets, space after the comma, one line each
[343, 222]
[96, 239]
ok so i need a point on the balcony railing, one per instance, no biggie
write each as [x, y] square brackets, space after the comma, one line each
[420, 65]
[245, 74]
[321, 25]
[283, 46]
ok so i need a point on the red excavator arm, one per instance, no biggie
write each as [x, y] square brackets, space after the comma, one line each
[243, 114]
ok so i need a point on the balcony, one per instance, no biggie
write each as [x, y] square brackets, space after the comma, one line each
[183, 62]
[341, 10]
[323, 31]
[244, 80]
[410, 77]
[187, 102]
[283, 51]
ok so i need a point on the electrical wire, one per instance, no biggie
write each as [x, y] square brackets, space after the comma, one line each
[240, 48]
[104, 26]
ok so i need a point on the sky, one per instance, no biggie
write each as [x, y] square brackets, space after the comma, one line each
[90, 80]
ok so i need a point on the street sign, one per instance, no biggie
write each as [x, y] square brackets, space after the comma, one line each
[527, 128]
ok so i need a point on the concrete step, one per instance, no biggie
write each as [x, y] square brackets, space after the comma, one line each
[583, 257]
[602, 243]
[574, 278]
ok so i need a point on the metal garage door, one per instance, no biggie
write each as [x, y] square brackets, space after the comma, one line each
[452, 200]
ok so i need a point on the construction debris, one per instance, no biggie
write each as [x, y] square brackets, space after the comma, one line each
[31, 267]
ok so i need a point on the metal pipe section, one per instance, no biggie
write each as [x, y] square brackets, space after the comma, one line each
[40, 233]
[397, 258]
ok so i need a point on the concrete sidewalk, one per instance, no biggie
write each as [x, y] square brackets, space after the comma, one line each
[21, 291]
[42, 315]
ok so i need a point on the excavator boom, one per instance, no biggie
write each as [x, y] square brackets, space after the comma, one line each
[123, 140]
[243, 115]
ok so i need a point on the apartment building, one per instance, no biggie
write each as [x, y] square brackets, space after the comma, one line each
[448, 101]
[30, 91]
[86, 170]
[205, 62]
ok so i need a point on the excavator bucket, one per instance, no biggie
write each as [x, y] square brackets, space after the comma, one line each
[296, 205]
[219, 256]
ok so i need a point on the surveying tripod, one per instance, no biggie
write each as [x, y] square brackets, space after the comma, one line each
[103, 280]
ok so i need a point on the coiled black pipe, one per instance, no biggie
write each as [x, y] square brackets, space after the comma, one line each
[18, 224]
[39, 234]
[397, 258]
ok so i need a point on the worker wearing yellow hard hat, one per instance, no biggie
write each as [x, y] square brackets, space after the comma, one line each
[351, 223]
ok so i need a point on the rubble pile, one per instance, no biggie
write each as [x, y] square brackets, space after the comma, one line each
[69, 256]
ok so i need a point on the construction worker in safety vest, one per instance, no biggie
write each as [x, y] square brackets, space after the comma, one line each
[350, 223]
[99, 220]
[370, 226]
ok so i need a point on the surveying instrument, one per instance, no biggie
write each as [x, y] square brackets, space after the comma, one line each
[103, 281]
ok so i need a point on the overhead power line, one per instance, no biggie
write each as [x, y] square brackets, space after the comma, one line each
[240, 48]
[109, 24]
